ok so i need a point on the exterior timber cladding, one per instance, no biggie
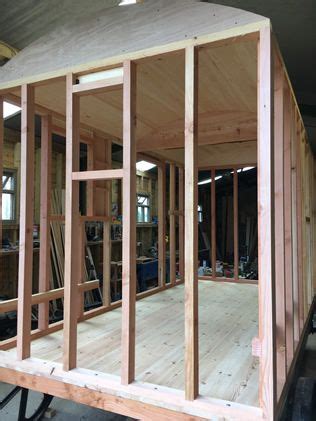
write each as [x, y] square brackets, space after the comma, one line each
[286, 206]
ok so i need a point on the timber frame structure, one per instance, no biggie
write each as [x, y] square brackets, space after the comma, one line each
[286, 220]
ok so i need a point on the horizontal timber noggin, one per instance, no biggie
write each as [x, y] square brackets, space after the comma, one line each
[193, 88]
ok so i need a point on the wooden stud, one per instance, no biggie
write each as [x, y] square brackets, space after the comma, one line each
[279, 224]
[191, 225]
[236, 226]
[81, 264]
[267, 368]
[181, 222]
[288, 230]
[72, 246]
[172, 222]
[45, 209]
[26, 223]
[213, 223]
[161, 225]
[129, 224]
[299, 200]
[90, 183]
[293, 180]
[107, 244]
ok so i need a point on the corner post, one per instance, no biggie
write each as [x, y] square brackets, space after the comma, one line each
[129, 224]
[191, 225]
[72, 246]
[45, 210]
[267, 369]
[26, 223]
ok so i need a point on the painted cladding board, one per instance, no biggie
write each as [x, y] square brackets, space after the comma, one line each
[89, 39]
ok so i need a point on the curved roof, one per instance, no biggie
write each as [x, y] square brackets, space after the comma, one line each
[88, 38]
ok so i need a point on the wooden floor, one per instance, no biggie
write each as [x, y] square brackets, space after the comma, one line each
[228, 321]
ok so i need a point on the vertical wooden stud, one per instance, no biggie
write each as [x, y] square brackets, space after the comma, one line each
[213, 223]
[161, 224]
[129, 223]
[45, 210]
[236, 225]
[191, 225]
[90, 183]
[299, 200]
[172, 223]
[181, 222]
[26, 223]
[267, 370]
[72, 246]
[107, 244]
[296, 332]
[288, 229]
[279, 224]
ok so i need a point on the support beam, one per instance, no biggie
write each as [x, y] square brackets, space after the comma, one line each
[26, 223]
[172, 222]
[191, 225]
[181, 222]
[279, 224]
[213, 222]
[72, 246]
[45, 210]
[161, 225]
[236, 225]
[267, 372]
[129, 224]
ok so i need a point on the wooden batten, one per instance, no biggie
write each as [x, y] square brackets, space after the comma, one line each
[191, 225]
[45, 209]
[162, 224]
[267, 369]
[129, 224]
[26, 223]
[172, 223]
[72, 246]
